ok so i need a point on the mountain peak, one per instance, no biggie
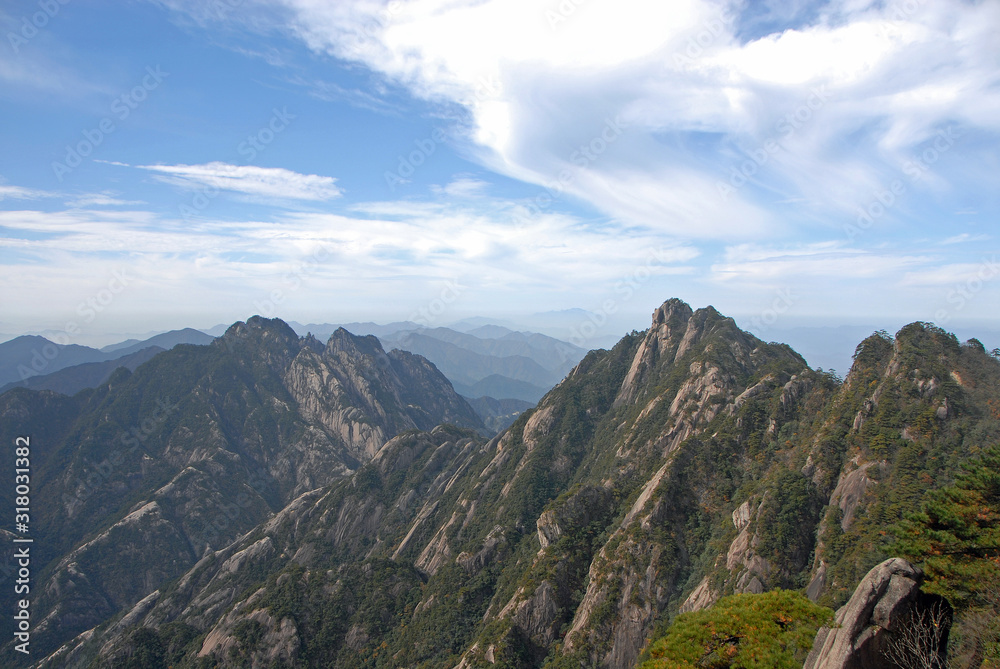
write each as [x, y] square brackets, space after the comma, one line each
[673, 312]
[342, 341]
[258, 327]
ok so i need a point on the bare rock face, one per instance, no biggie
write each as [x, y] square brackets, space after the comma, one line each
[669, 321]
[851, 489]
[879, 628]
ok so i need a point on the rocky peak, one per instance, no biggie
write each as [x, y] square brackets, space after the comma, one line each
[270, 340]
[342, 341]
[670, 324]
[672, 313]
[258, 328]
[310, 342]
[885, 604]
[676, 330]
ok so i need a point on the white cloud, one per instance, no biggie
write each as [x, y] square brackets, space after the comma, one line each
[965, 237]
[270, 182]
[8, 192]
[794, 264]
[462, 187]
[541, 79]
[103, 199]
[952, 274]
[386, 251]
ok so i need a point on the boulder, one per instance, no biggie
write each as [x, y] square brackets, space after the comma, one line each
[886, 620]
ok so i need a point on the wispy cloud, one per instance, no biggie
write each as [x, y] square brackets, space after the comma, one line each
[330, 91]
[847, 95]
[945, 275]
[270, 182]
[103, 199]
[8, 192]
[462, 187]
[796, 263]
[434, 240]
[965, 237]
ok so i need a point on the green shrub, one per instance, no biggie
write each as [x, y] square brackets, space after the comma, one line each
[774, 630]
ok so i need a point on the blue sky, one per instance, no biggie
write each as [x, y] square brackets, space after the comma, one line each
[173, 163]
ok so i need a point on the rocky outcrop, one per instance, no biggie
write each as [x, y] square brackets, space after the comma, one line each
[660, 343]
[749, 571]
[700, 598]
[363, 395]
[254, 635]
[880, 625]
[577, 511]
[851, 489]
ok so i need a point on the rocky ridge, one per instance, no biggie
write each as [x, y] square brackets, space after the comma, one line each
[689, 462]
[199, 446]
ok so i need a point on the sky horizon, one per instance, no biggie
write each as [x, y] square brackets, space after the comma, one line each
[172, 163]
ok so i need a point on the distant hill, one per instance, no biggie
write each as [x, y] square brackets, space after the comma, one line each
[498, 415]
[465, 366]
[322, 331]
[479, 357]
[490, 331]
[516, 365]
[498, 386]
[166, 341]
[71, 380]
[31, 355]
[35, 362]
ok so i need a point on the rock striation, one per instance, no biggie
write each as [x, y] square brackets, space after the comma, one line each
[151, 471]
[686, 463]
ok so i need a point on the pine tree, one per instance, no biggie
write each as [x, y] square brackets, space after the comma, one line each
[956, 538]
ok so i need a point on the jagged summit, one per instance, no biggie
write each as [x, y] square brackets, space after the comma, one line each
[259, 327]
[198, 446]
[688, 462]
[677, 331]
[342, 341]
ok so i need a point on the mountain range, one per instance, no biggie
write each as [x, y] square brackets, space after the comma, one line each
[491, 363]
[269, 500]
[31, 361]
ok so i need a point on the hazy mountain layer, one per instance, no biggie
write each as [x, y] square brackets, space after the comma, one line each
[71, 380]
[136, 480]
[689, 462]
